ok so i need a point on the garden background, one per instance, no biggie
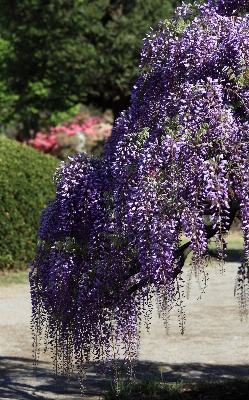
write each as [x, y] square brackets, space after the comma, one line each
[67, 69]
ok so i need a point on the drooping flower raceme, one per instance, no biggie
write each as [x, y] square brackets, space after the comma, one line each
[230, 7]
[176, 162]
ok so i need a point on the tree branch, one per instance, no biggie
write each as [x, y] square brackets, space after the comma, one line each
[186, 249]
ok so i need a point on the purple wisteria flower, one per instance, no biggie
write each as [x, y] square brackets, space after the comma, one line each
[230, 7]
[176, 163]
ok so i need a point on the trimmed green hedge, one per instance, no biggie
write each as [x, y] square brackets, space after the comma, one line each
[25, 187]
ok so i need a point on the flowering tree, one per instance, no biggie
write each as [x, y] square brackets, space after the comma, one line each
[176, 162]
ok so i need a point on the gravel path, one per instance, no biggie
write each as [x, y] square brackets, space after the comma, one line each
[215, 344]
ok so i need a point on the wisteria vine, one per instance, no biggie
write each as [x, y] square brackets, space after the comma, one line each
[176, 162]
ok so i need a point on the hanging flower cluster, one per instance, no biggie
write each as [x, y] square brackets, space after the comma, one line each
[85, 134]
[177, 161]
[230, 7]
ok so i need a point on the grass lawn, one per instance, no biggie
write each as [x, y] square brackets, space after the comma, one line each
[235, 248]
[8, 278]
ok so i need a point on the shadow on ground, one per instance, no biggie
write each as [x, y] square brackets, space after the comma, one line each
[190, 371]
[232, 255]
[18, 380]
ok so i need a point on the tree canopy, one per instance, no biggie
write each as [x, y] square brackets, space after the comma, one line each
[64, 52]
[176, 163]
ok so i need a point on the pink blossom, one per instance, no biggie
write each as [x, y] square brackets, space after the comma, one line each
[58, 137]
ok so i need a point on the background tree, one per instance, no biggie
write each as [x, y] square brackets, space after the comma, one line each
[64, 52]
[176, 163]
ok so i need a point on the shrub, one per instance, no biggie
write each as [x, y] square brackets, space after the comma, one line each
[26, 186]
[85, 133]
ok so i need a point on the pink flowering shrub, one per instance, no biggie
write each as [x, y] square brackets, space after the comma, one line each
[84, 134]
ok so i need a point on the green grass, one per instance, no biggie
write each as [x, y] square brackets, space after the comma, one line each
[235, 389]
[235, 248]
[235, 240]
[8, 278]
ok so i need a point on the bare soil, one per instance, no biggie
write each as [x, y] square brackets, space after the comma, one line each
[214, 345]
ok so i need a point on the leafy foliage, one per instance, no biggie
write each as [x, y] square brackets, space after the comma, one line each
[26, 187]
[176, 162]
[64, 52]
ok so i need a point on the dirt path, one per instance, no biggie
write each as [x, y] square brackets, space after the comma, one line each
[215, 344]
